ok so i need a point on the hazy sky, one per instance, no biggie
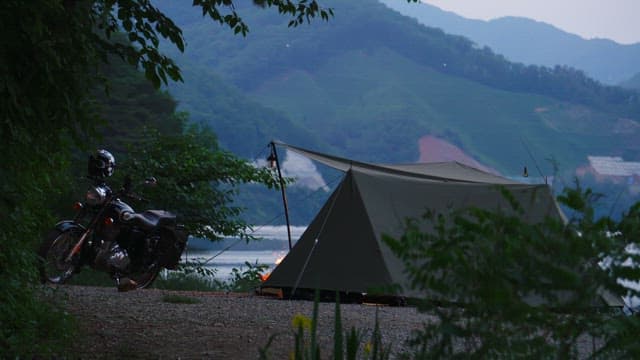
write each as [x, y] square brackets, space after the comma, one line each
[617, 20]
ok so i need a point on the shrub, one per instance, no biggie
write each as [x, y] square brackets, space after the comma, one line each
[500, 287]
[306, 346]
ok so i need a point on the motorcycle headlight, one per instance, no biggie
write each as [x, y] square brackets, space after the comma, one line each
[96, 196]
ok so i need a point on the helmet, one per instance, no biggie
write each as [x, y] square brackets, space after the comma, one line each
[102, 164]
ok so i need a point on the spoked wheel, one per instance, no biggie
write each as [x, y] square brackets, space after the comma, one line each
[144, 279]
[144, 269]
[54, 267]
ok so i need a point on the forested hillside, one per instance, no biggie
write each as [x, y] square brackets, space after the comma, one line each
[371, 82]
[131, 105]
[243, 124]
[632, 83]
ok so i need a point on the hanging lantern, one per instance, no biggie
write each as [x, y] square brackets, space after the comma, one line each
[271, 160]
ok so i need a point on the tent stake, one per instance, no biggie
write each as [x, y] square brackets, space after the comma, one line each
[284, 195]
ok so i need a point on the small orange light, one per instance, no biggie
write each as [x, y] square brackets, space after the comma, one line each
[108, 221]
[77, 206]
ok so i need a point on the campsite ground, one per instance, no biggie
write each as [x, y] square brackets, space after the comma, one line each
[144, 325]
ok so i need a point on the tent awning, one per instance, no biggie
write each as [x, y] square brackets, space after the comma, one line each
[443, 171]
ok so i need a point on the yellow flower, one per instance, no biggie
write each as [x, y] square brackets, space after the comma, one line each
[367, 348]
[300, 320]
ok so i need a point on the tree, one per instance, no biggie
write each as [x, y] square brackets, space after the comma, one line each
[500, 287]
[196, 179]
[50, 57]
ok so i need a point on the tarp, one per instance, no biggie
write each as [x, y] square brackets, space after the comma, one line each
[443, 171]
[342, 249]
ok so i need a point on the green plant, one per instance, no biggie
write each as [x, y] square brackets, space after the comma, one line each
[196, 179]
[308, 348]
[243, 280]
[190, 277]
[179, 280]
[34, 322]
[201, 278]
[500, 287]
[49, 66]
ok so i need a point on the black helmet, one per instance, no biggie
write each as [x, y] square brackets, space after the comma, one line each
[102, 164]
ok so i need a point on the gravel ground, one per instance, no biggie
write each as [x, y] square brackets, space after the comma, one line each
[142, 325]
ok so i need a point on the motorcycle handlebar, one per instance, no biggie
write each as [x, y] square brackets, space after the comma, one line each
[126, 188]
[136, 197]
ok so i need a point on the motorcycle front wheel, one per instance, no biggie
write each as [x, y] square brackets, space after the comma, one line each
[54, 267]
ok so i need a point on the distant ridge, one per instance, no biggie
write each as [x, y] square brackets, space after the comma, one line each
[533, 43]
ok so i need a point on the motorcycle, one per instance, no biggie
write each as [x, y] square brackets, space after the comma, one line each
[108, 235]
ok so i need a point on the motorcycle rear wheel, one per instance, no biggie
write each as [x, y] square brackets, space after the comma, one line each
[144, 279]
[54, 267]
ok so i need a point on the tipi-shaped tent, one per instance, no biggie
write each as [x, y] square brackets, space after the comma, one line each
[342, 249]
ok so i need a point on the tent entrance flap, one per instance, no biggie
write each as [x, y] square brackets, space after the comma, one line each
[333, 254]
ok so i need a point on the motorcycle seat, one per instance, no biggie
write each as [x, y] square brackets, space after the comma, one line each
[151, 219]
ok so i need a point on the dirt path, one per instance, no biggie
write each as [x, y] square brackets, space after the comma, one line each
[143, 325]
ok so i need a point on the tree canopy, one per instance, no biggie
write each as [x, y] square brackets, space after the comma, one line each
[499, 287]
[50, 61]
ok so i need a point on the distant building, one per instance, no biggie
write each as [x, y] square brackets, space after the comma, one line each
[614, 169]
[614, 166]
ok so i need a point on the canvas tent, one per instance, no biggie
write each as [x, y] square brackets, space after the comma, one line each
[342, 248]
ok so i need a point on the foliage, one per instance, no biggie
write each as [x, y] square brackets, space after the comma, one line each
[310, 350]
[32, 321]
[129, 105]
[196, 180]
[306, 347]
[245, 280]
[50, 59]
[183, 281]
[196, 276]
[189, 277]
[615, 197]
[43, 80]
[144, 25]
[500, 287]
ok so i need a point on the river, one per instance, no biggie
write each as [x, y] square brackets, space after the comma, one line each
[224, 260]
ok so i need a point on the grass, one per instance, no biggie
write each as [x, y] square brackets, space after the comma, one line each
[347, 345]
[184, 282]
[244, 279]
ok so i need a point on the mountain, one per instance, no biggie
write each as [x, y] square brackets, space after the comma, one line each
[632, 83]
[372, 84]
[531, 42]
[243, 124]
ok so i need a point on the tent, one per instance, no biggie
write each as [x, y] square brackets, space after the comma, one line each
[342, 248]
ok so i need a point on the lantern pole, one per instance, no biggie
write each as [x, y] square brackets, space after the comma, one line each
[274, 157]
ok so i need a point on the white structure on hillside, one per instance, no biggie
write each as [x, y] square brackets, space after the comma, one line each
[614, 166]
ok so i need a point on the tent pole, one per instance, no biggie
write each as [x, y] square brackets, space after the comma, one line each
[284, 195]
